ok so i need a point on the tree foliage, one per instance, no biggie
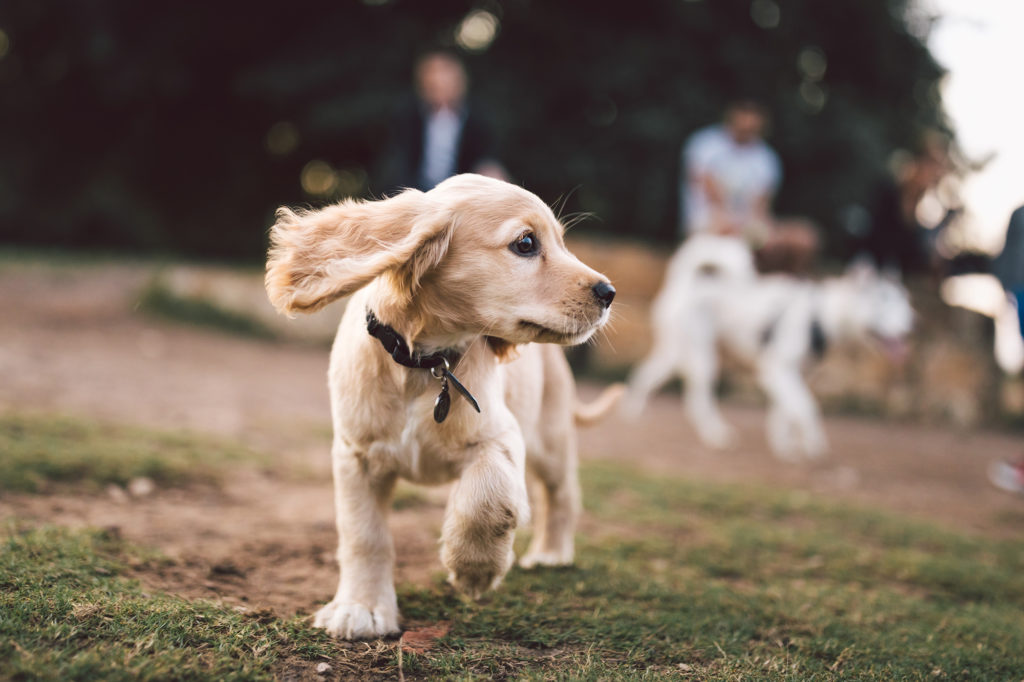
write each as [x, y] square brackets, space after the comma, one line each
[182, 127]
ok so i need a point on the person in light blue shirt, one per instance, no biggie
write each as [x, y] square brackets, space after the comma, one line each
[731, 176]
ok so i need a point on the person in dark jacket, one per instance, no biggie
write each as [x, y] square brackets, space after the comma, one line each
[438, 133]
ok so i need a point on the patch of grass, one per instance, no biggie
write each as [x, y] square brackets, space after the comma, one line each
[66, 615]
[38, 452]
[747, 531]
[721, 582]
[156, 299]
[680, 580]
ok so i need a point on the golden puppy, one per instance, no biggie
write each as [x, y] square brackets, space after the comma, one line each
[438, 373]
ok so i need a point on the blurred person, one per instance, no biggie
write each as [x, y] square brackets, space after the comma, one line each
[1008, 267]
[438, 133]
[731, 176]
[894, 239]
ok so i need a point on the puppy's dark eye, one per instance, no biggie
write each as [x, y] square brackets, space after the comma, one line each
[526, 245]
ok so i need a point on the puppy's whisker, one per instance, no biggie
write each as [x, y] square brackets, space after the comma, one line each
[605, 337]
[575, 219]
[479, 337]
[559, 205]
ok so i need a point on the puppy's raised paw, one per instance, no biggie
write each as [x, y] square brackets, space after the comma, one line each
[349, 620]
[473, 578]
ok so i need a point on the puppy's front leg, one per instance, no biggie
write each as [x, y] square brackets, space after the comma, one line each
[365, 605]
[487, 503]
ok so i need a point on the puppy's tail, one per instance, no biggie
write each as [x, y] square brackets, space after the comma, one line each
[588, 414]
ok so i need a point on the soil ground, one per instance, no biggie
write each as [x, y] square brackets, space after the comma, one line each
[72, 343]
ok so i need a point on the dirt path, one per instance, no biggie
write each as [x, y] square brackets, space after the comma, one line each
[71, 343]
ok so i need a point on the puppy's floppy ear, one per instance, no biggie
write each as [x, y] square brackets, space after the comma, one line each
[319, 256]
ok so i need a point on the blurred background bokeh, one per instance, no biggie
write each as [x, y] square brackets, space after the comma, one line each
[148, 388]
[176, 132]
[131, 126]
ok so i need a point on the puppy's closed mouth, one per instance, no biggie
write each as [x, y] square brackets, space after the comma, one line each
[549, 335]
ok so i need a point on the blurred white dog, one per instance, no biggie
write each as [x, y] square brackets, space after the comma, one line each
[713, 295]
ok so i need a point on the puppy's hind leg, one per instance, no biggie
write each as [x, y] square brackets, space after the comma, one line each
[486, 504]
[365, 606]
[556, 507]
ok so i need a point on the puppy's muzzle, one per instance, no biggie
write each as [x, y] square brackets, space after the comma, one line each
[604, 293]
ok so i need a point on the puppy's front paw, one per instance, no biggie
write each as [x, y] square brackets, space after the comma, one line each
[473, 577]
[349, 620]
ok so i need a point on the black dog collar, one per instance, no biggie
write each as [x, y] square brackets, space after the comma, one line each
[439, 363]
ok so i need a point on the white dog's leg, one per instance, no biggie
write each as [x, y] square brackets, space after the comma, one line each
[556, 510]
[794, 421]
[657, 368]
[365, 605]
[778, 429]
[487, 503]
[807, 417]
[701, 370]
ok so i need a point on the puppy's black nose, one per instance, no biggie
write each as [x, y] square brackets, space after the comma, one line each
[604, 293]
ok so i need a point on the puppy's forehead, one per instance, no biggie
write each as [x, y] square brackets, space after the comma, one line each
[503, 206]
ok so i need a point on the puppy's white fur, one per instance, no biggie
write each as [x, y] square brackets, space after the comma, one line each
[713, 295]
[438, 268]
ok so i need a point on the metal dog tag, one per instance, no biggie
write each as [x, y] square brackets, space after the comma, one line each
[442, 404]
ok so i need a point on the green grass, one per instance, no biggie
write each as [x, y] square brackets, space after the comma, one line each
[39, 452]
[674, 579]
[715, 582]
[156, 299]
[66, 615]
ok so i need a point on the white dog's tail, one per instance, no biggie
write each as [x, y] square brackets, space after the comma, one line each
[711, 257]
[588, 414]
